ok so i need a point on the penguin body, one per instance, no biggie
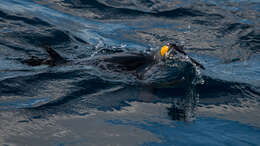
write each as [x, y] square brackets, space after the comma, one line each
[137, 63]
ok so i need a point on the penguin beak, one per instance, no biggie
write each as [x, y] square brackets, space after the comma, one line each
[169, 54]
[172, 49]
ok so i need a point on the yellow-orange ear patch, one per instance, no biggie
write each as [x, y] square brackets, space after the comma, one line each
[164, 50]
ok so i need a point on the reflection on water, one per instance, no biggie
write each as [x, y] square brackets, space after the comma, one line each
[185, 109]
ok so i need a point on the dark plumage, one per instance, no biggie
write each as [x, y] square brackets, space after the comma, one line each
[133, 62]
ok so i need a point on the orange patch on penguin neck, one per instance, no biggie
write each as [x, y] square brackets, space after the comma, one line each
[164, 50]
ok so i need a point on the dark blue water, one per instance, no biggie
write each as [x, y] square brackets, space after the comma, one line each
[82, 104]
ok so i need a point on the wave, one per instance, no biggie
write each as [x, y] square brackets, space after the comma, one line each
[107, 11]
[31, 21]
[74, 87]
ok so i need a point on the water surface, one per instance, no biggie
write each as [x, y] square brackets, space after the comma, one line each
[83, 104]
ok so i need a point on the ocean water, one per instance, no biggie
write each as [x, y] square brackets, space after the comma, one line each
[80, 104]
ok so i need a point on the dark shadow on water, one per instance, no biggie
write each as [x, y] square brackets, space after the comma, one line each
[31, 21]
[115, 12]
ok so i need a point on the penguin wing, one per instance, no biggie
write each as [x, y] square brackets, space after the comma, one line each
[55, 59]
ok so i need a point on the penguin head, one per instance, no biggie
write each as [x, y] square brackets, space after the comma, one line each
[171, 51]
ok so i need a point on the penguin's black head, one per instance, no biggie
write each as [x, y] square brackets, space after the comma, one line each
[172, 52]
